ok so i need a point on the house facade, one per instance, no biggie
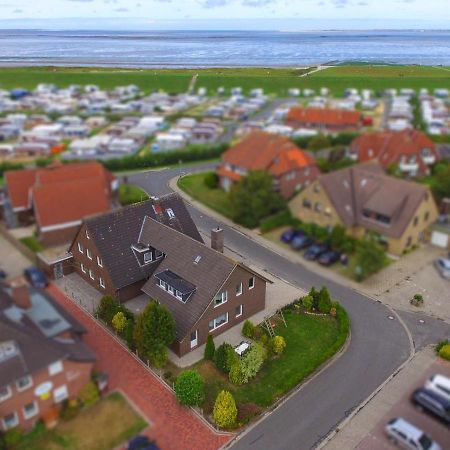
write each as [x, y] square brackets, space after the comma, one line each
[291, 168]
[43, 360]
[363, 199]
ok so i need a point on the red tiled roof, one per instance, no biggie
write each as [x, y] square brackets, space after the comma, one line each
[222, 172]
[264, 151]
[57, 203]
[327, 117]
[19, 183]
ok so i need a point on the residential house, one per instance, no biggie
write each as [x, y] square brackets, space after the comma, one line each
[290, 167]
[325, 119]
[412, 151]
[104, 252]
[363, 199]
[43, 359]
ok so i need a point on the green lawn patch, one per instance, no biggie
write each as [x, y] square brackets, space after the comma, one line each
[130, 194]
[32, 243]
[105, 425]
[216, 199]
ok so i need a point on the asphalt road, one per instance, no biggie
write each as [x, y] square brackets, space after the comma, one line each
[379, 345]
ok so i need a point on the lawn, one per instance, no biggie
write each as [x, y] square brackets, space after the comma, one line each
[129, 194]
[216, 199]
[311, 340]
[104, 426]
[32, 243]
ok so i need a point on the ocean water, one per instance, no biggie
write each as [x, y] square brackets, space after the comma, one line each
[221, 48]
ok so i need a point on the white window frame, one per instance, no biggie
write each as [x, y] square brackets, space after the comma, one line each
[239, 289]
[251, 282]
[163, 285]
[224, 298]
[170, 289]
[55, 368]
[88, 254]
[221, 325]
[57, 393]
[83, 268]
[80, 247]
[178, 295]
[91, 275]
[7, 395]
[34, 413]
[102, 282]
[241, 309]
[23, 388]
[148, 261]
[7, 427]
[99, 261]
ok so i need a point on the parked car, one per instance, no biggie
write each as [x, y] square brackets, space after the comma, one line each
[405, 435]
[426, 399]
[439, 384]
[301, 242]
[3, 274]
[329, 258]
[315, 251]
[36, 277]
[141, 442]
[443, 267]
[290, 234]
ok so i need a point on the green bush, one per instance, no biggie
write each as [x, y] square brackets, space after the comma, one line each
[281, 219]
[107, 308]
[248, 329]
[211, 180]
[189, 388]
[444, 352]
[236, 376]
[12, 437]
[210, 348]
[119, 322]
[225, 410]
[5, 166]
[307, 302]
[440, 344]
[222, 357]
[252, 361]
[89, 394]
[324, 303]
[417, 300]
[277, 344]
[69, 409]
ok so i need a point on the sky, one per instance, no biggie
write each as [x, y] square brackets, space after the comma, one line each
[225, 14]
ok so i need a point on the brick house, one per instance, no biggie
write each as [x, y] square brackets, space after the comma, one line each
[206, 291]
[56, 198]
[325, 119]
[102, 249]
[290, 167]
[411, 150]
[43, 360]
[363, 198]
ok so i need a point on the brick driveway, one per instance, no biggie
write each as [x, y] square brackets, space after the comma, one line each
[173, 427]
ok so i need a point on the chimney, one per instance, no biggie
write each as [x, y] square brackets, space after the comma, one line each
[217, 239]
[20, 293]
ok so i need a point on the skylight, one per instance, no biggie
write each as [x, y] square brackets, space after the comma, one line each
[197, 259]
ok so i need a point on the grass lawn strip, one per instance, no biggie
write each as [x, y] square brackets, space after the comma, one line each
[129, 194]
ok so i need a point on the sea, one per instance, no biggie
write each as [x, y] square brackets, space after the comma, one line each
[147, 49]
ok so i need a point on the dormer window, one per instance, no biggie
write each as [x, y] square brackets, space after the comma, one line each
[148, 257]
[175, 285]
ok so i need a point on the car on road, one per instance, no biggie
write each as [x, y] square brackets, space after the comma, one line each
[443, 267]
[301, 242]
[290, 234]
[315, 251]
[405, 435]
[329, 258]
[428, 400]
[36, 277]
[439, 384]
[141, 442]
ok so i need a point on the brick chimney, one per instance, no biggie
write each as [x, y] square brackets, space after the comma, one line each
[20, 293]
[217, 239]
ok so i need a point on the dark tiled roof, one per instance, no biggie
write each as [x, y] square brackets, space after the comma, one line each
[174, 280]
[114, 234]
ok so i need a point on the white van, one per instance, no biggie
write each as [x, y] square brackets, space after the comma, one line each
[405, 435]
[439, 384]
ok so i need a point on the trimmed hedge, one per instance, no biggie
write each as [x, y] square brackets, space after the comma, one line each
[281, 219]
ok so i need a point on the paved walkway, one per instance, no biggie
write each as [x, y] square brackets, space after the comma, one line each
[173, 427]
[11, 260]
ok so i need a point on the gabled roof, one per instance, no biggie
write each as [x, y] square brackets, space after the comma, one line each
[366, 186]
[324, 116]
[265, 151]
[115, 233]
[19, 183]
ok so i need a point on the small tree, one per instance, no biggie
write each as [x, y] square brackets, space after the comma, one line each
[119, 322]
[225, 410]
[211, 180]
[444, 352]
[89, 394]
[277, 345]
[252, 361]
[222, 357]
[307, 302]
[324, 303]
[314, 294]
[189, 388]
[236, 376]
[210, 348]
[370, 258]
[107, 308]
[248, 329]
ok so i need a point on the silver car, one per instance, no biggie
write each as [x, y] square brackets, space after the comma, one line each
[405, 435]
[443, 267]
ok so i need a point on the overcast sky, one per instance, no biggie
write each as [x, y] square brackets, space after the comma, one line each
[221, 14]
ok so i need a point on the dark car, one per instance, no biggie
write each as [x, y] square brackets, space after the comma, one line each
[329, 258]
[315, 251]
[141, 443]
[36, 277]
[301, 242]
[431, 401]
[290, 234]
[3, 274]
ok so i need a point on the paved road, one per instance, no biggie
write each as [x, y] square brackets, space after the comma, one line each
[379, 345]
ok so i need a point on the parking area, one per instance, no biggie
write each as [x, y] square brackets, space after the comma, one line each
[11, 260]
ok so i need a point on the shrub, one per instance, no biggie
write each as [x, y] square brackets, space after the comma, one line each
[210, 348]
[189, 388]
[222, 357]
[333, 311]
[211, 180]
[314, 294]
[225, 411]
[247, 411]
[417, 300]
[89, 394]
[69, 409]
[248, 329]
[324, 303]
[444, 352]
[277, 345]
[119, 322]
[107, 308]
[236, 376]
[158, 355]
[252, 361]
[283, 218]
[307, 302]
[440, 344]
[12, 437]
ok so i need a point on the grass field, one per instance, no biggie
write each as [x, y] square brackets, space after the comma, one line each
[129, 194]
[274, 81]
